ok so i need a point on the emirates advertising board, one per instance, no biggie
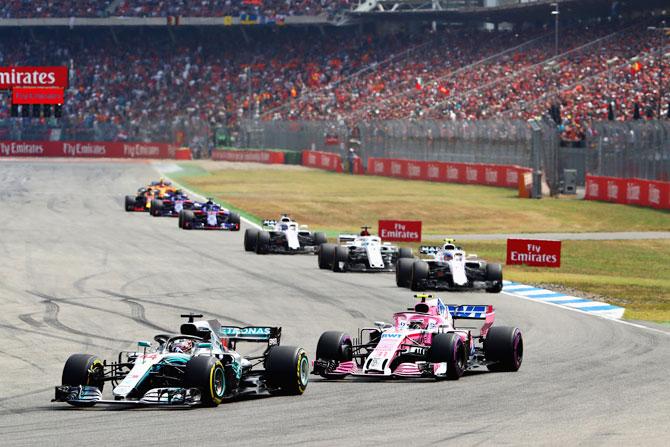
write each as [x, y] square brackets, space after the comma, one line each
[35, 85]
[400, 230]
[534, 252]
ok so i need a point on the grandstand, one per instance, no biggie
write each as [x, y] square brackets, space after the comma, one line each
[186, 71]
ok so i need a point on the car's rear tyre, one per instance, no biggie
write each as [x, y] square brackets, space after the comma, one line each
[130, 203]
[403, 272]
[156, 207]
[340, 259]
[188, 220]
[334, 345]
[262, 242]
[405, 253]
[287, 368]
[206, 374]
[495, 275]
[326, 255]
[234, 218]
[449, 348]
[504, 346]
[420, 272]
[250, 236]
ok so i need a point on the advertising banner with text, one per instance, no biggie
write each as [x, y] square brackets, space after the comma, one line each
[628, 191]
[534, 252]
[400, 230]
[85, 149]
[269, 157]
[439, 171]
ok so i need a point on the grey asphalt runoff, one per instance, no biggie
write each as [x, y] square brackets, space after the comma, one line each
[78, 274]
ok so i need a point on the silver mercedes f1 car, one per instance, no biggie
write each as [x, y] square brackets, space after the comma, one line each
[198, 366]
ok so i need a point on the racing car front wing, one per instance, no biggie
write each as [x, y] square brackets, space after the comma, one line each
[89, 395]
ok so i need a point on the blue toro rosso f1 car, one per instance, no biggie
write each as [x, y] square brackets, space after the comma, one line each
[208, 216]
[198, 366]
[171, 205]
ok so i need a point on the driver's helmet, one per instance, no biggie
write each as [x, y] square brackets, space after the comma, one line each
[448, 255]
[184, 346]
[415, 324]
[209, 203]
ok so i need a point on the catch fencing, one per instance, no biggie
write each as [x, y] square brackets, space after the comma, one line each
[638, 149]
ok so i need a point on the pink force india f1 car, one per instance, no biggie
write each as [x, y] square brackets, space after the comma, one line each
[422, 342]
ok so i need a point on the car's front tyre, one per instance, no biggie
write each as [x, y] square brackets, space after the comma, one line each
[207, 375]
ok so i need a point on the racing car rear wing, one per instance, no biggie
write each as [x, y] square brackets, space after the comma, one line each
[269, 223]
[257, 334]
[470, 312]
[429, 249]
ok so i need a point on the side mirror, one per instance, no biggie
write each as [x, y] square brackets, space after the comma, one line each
[143, 344]
[205, 345]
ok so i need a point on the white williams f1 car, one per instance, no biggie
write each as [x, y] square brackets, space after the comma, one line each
[361, 253]
[197, 366]
[449, 269]
[282, 236]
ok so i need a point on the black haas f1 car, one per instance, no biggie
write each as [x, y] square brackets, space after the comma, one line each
[208, 216]
[361, 253]
[423, 341]
[198, 366]
[449, 269]
[171, 204]
[143, 199]
[283, 236]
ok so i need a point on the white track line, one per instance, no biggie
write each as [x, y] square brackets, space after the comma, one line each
[574, 309]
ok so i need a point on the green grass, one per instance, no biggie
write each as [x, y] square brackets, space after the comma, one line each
[632, 274]
[342, 203]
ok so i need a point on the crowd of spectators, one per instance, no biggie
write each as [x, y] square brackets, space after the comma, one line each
[147, 86]
[20, 9]
[164, 8]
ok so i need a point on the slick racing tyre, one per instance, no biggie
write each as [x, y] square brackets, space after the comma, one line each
[340, 259]
[250, 236]
[262, 242]
[319, 238]
[403, 272]
[420, 271]
[206, 374]
[494, 274]
[326, 255]
[504, 346]
[130, 203]
[334, 345]
[180, 221]
[156, 207]
[188, 220]
[449, 348]
[287, 369]
[83, 369]
[405, 253]
[234, 218]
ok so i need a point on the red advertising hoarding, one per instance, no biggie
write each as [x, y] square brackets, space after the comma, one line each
[269, 157]
[400, 230]
[38, 95]
[322, 160]
[628, 191]
[438, 171]
[11, 77]
[85, 149]
[534, 252]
